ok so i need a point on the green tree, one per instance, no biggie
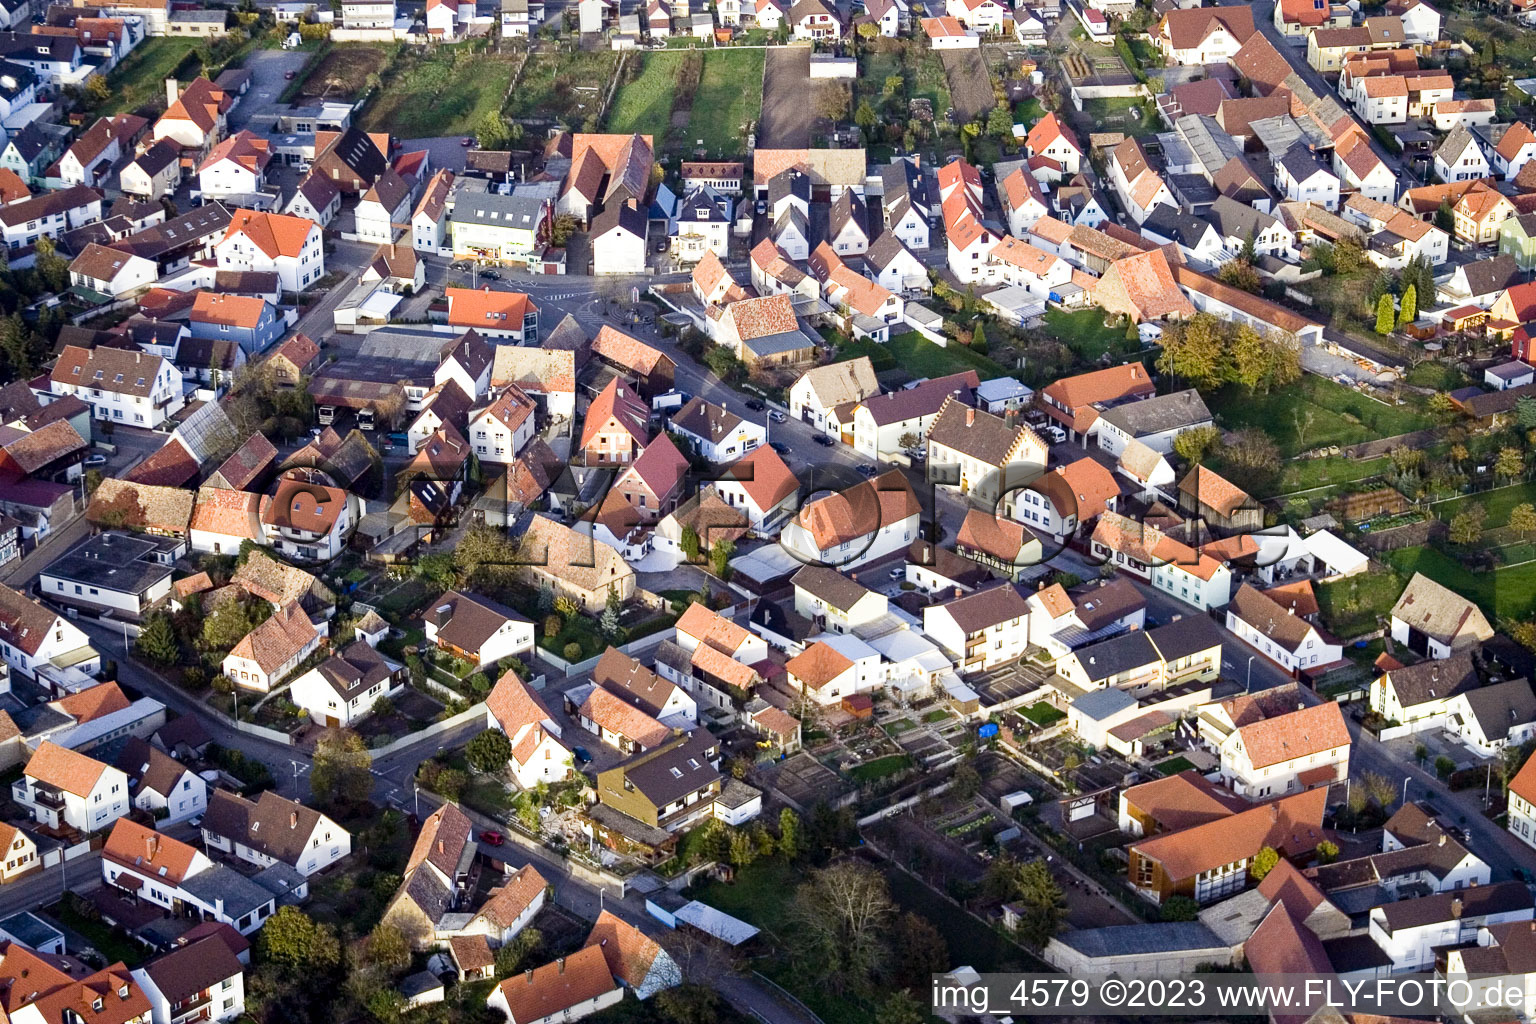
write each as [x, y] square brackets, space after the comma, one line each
[609, 623]
[1263, 863]
[1000, 122]
[920, 952]
[689, 542]
[1250, 253]
[231, 621]
[342, 767]
[489, 751]
[1525, 413]
[1249, 358]
[1511, 760]
[157, 642]
[1445, 217]
[689, 1003]
[1510, 462]
[1385, 318]
[901, 1007]
[1378, 788]
[720, 557]
[979, 339]
[1408, 309]
[1441, 403]
[1042, 904]
[1195, 444]
[292, 939]
[1327, 852]
[1179, 908]
[789, 834]
[451, 784]
[492, 132]
[966, 782]
[50, 266]
[722, 362]
[438, 569]
[388, 950]
[1467, 525]
[839, 922]
[1193, 351]
[865, 117]
[511, 956]
[1444, 766]
[1522, 518]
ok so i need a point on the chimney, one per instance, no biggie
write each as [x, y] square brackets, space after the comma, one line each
[560, 963]
[1456, 907]
[529, 975]
[970, 416]
[1274, 812]
[1442, 840]
[441, 848]
[1301, 705]
[150, 842]
[293, 819]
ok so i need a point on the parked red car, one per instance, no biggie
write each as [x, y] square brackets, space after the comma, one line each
[492, 838]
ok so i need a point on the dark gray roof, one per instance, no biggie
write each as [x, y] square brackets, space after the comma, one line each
[427, 891]
[1162, 412]
[1145, 939]
[1300, 163]
[619, 215]
[355, 669]
[982, 609]
[158, 157]
[830, 585]
[495, 210]
[1478, 901]
[192, 228]
[789, 182]
[847, 208]
[468, 620]
[1238, 220]
[1434, 679]
[1176, 225]
[885, 249]
[1112, 657]
[1485, 277]
[1502, 706]
[704, 205]
[785, 341]
[675, 769]
[30, 930]
[222, 884]
[1355, 953]
[1185, 636]
[113, 561]
[1098, 705]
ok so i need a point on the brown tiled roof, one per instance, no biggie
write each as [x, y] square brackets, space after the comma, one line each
[247, 463]
[545, 992]
[860, 510]
[301, 505]
[1439, 612]
[1187, 29]
[168, 509]
[468, 620]
[189, 970]
[1292, 825]
[632, 353]
[818, 665]
[471, 952]
[64, 769]
[712, 628]
[764, 476]
[93, 702]
[629, 952]
[121, 371]
[514, 897]
[278, 639]
[994, 535]
[1296, 597]
[615, 714]
[169, 466]
[515, 705]
[1264, 615]
[1213, 489]
[1082, 488]
[1312, 730]
[831, 586]
[37, 448]
[1182, 801]
[442, 840]
[982, 609]
[617, 404]
[584, 562]
[148, 852]
[989, 439]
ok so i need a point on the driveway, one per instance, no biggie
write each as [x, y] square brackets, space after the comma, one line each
[269, 77]
[788, 112]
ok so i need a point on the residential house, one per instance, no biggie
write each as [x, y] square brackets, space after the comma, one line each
[1059, 502]
[1203, 35]
[1300, 749]
[152, 174]
[1299, 177]
[1411, 931]
[201, 979]
[1155, 421]
[576, 565]
[1286, 639]
[1460, 158]
[1433, 621]
[982, 455]
[1076, 402]
[668, 787]
[129, 387]
[112, 272]
[430, 226]
[567, 989]
[49, 215]
[761, 487]
[112, 573]
[477, 629]
[818, 392]
[1051, 139]
[345, 687]
[249, 322]
[160, 784]
[497, 315]
[288, 246]
[858, 525]
[64, 789]
[235, 168]
[982, 629]
[882, 422]
[618, 240]
[265, 655]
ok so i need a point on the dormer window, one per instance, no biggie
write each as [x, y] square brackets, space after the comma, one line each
[122, 992]
[96, 1004]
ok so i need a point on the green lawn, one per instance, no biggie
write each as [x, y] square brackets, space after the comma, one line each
[645, 105]
[1042, 713]
[1504, 593]
[139, 81]
[926, 80]
[1114, 115]
[1340, 415]
[1305, 474]
[566, 86]
[446, 92]
[1084, 332]
[1497, 502]
[879, 768]
[922, 358]
[106, 940]
[899, 726]
[1174, 765]
[1352, 606]
[880, 356]
[1437, 376]
[759, 894]
[729, 98]
[937, 715]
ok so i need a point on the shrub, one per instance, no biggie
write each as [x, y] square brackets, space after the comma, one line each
[572, 651]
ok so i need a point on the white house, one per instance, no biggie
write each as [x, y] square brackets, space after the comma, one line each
[343, 688]
[61, 788]
[309, 521]
[200, 980]
[236, 167]
[1287, 753]
[291, 247]
[1434, 621]
[618, 240]
[761, 487]
[818, 392]
[1302, 179]
[129, 387]
[982, 629]
[1419, 695]
[476, 628]
[1409, 931]
[272, 828]
[112, 271]
[538, 755]
[1288, 640]
[545, 994]
[833, 667]
[273, 649]
[717, 434]
[1053, 140]
[160, 783]
[34, 637]
[1460, 158]
[830, 530]
[501, 430]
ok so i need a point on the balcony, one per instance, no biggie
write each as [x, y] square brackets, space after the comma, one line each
[45, 796]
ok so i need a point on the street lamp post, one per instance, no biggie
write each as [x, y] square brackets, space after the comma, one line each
[1249, 687]
[1405, 790]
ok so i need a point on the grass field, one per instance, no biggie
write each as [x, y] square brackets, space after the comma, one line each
[1114, 115]
[1516, 45]
[1305, 474]
[729, 97]
[879, 768]
[922, 358]
[1352, 606]
[645, 105]
[925, 80]
[1503, 593]
[1174, 765]
[342, 74]
[1084, 332]
[1497, 502]
[566, 86]
[1042, 713]
[442, 93]
[880, 357]
[139, 81]
[1341, 415]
